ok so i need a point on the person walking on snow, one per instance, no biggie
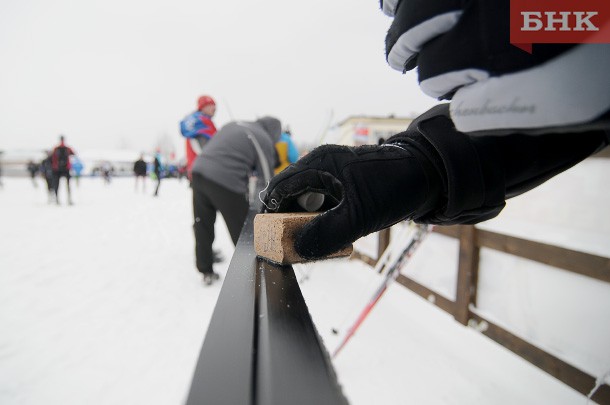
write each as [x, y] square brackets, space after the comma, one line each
[60, 165]
[77, 168]
[33, 169]
[46, 171]
[158, 171]
[139, 171]
[198, 128]
[220, 181]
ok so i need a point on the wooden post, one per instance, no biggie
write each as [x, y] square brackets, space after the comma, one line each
[383, 241]
[467, 273]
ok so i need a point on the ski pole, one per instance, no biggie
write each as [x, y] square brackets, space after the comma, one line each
[390, 276]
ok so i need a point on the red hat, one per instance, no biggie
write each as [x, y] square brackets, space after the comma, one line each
[203, 101]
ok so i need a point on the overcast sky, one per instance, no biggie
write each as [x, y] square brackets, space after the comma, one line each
[122, 73]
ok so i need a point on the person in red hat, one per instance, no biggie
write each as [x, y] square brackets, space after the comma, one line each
[198, 128]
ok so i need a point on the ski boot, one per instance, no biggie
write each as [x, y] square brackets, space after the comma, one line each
[209, 278]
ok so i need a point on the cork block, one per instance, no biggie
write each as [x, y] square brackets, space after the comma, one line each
[274, 237]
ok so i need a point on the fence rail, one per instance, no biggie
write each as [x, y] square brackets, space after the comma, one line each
[463, 309]
[261, 346]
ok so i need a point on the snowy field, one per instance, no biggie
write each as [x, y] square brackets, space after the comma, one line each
[100, 303]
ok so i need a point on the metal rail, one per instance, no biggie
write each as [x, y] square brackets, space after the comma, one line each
[261, 346]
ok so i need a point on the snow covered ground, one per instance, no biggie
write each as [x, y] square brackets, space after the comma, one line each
[100, 303]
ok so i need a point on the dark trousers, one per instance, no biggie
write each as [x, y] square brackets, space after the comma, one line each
[50, 186]
[56, 177]
[209, 197]
[158, 183]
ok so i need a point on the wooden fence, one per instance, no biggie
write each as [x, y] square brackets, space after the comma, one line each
[471, 240]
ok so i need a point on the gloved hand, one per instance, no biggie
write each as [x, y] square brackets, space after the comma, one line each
[366, 189]
[455, 43]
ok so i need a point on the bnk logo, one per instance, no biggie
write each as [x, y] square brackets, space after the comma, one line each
[558, 21]
[532, 21]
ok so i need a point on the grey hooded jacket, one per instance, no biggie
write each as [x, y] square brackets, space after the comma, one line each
[232, 154]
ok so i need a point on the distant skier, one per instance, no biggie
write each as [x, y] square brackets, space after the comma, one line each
[77, 168]
[139, 171]
[182, 171]
[106, 172]
[46, 171]
[158, 170]
[198, 128]
[60, 164]
[33, 169]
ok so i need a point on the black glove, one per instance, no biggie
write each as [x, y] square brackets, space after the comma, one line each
[366, 189]
[455, 43]
[430, 173]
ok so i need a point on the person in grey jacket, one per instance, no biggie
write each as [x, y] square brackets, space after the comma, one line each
[221, 176]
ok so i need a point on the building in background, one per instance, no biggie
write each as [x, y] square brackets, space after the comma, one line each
[364, 130]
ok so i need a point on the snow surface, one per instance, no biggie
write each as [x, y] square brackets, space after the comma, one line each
[100, 303]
